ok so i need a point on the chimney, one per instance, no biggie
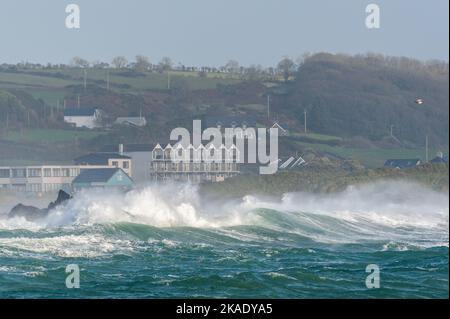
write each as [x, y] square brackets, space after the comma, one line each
[121, 149]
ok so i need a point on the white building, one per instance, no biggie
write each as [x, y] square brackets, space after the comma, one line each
[51, 178]
[194, 164]
[83, 117]
[40, 179]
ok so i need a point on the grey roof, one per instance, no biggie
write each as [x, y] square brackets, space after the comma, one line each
[230, 121]
[129, 148]
[402, 163]
[439, 159]
[98, 158]
[95, 175]
[84, 111]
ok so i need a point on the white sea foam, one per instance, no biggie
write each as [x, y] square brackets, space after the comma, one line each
[88, 246]
[389, 211]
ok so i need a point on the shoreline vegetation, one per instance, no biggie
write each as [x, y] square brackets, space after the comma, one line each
[325, 180]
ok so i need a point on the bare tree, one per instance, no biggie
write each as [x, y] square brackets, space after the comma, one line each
[142, 63]
[119, 62]
[165, 64]
[286, 67]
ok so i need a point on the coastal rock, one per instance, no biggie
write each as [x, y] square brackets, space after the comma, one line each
[31, 213]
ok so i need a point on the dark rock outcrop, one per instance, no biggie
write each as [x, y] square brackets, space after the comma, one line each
[32, 213]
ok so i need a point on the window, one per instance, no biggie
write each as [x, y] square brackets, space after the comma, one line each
[19, 172]
[115, 163]
[5, 173]
[126, 164]
[34, 172]
[47, 172]
[234, 155]
[158, 154]
[65, 172]
[56, 172]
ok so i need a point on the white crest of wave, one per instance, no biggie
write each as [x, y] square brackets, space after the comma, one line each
[392, 204]
[395, 204]
[86, 245]
[160, 206]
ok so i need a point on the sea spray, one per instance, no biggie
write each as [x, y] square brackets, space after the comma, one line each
[168, 241]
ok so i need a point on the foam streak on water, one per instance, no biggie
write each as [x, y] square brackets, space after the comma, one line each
[168, 241]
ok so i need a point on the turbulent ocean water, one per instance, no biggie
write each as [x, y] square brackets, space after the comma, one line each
[170, 242]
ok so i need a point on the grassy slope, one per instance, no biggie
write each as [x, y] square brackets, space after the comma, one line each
[144, 81]
[53, 87]
[49, 85]
[49, 136]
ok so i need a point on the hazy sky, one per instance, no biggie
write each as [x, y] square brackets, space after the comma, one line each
[210, 32]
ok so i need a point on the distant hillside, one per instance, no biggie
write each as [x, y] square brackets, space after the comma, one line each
[351, 102]
[363, 96]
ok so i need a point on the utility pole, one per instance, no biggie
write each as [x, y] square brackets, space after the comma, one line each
[268, 107]
[426, 148]
[107, 79]
[305, 112]
[78, 101]
[392, 132]
[85, 79]
[168, 80]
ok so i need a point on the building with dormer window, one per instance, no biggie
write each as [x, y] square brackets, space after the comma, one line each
[194, 164]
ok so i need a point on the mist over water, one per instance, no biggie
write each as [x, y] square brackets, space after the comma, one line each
[187, 241]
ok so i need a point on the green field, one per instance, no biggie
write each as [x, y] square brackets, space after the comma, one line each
[118, 79]
[49, 135]
[49, 96]
[27, 80]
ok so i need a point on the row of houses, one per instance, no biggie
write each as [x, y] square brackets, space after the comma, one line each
[413, 162]
[123, 166]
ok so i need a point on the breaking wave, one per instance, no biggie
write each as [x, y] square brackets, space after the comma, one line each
[398, 214]
[169, 241]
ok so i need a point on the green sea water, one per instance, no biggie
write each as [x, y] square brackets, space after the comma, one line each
[170, 243]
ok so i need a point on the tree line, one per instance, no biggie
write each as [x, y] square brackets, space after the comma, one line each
[284, 69]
